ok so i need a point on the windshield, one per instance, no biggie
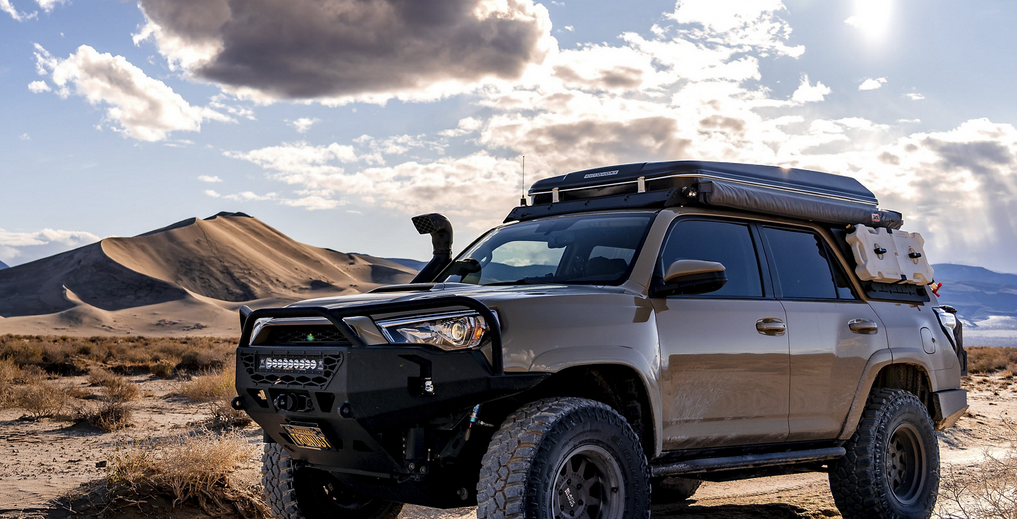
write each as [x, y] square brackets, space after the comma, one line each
[582, 249]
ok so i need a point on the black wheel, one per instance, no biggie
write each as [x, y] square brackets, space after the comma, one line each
[302, 493]
[673, 489]
[891, 469]
[564, 458]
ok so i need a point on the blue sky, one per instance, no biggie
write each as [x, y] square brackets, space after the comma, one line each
[334, 121]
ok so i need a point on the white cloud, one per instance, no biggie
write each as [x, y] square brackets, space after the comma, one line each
[25, 137]
[465, 126]
[738, 22]
[7, 7]
[212, 193]
[38, 86]
[807, 93]
[207, 178]
[33, 245]
[909, 121]
[304, 123]
[248, 196]
[48, 5]
[872, 84]
[914, 96]
[313, 203]
[140, 107]
[570, 28]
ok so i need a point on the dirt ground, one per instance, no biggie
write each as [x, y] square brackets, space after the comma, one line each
[45, 459]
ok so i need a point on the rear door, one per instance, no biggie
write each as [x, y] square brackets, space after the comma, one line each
[724, 359]
[832, 333]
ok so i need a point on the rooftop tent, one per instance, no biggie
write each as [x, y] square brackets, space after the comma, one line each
[795, 193]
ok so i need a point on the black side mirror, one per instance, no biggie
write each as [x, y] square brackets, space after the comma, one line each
[691, 277]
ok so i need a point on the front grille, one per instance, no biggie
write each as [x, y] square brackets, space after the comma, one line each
[325, 334]
[330, 363]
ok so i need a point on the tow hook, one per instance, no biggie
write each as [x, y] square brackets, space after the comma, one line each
[237, 403]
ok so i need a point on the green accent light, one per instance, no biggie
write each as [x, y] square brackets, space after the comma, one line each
[310, 337]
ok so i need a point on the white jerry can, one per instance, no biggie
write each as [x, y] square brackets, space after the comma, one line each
[875, 252]
[911, 257]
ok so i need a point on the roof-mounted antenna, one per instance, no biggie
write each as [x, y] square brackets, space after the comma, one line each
[522, 185]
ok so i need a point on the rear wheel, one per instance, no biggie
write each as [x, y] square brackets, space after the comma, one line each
[564, 458]
[293, 492]
[891, 469]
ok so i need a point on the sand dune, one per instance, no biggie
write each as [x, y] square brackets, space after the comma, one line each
[188, 278]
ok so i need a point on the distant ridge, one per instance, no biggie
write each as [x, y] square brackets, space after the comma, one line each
[185, 278]
[3, 265]
[986, 300]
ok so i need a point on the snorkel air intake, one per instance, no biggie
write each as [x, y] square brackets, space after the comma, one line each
[440, 230]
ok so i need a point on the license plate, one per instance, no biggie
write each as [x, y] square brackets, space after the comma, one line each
[308, 437]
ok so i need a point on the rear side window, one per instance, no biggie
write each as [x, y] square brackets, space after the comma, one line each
[727, 243]
[801, 262]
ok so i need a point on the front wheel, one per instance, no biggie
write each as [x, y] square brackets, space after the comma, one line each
[891, 469]
[564, 458]
[294, 492]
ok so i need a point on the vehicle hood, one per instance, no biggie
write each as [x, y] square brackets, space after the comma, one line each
[491, 296]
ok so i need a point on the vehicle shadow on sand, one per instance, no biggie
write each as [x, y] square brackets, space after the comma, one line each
[690, 510]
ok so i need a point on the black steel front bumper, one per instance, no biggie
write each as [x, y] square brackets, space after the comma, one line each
[370, 399]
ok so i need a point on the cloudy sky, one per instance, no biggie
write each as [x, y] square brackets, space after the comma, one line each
[336, 120]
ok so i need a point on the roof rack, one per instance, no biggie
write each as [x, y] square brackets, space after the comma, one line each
[794, 193]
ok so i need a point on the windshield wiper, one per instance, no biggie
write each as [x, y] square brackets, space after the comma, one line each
[523, 281]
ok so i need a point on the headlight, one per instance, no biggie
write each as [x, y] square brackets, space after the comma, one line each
[449, 331]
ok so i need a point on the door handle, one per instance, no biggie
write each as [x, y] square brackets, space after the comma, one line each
[863, 326]
[771, 326]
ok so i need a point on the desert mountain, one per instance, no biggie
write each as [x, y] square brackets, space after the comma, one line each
[986, 300]
[187, 278]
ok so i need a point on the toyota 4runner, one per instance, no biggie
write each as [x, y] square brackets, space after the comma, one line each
[629, 332]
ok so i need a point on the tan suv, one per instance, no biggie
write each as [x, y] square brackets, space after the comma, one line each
[630, 332]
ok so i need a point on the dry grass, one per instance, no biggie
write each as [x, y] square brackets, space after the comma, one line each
[40, 399]
[216, 389]
[107, 416]
[76, 355]
[992, 359]
[985, 491]
[201, 470]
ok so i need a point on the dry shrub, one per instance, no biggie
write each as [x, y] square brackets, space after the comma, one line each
[40, 399]
[202, 360]
[990, 359]
[200, 469]
[78, 392]
[211, 386]
[120, 389]
[107, 416]
[986, 490]
[162, 368]
[114, 387]
[216, 389]
[73, 355]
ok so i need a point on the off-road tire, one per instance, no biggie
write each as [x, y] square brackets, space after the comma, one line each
[673, 489]
[891, 469]
[545, 452]
[290, 496]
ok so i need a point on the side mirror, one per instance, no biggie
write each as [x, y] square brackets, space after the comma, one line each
[690, 277]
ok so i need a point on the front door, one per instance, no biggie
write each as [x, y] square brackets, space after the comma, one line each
[724, 355]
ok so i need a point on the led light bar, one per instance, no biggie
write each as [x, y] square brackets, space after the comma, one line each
[291, 363]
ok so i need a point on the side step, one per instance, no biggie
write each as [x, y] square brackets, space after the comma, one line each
[747, 461]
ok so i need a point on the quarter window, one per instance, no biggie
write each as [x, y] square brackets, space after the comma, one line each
[802, 266]
[727, 243]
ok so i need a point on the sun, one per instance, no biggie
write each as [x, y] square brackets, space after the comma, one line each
[872, 17]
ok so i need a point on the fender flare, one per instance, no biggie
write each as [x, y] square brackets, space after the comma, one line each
[558, 359]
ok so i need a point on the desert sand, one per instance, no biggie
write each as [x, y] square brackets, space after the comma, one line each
[45, 459]
[186, 279]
